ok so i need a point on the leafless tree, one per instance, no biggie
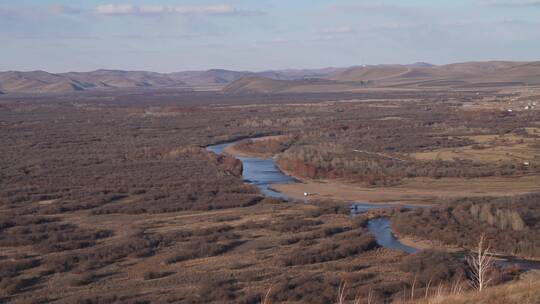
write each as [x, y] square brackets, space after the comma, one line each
[412, 288]
[342, 293]
[266, 299]
[481, 263]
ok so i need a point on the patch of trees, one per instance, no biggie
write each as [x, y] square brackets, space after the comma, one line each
[47, 234]
[316, 288]
[335, 245]
[11, 270]
[367, 147]
[511, 224]
[314, 242]
[204, 243]
[316, 162]
[293, 224]
[265, 146]
[322, 287]
[432, 267]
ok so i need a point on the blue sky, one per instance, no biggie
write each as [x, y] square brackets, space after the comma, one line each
[175, 35]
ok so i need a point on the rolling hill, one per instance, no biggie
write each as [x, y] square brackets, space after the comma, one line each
[44, 82]
[255, 84]
[491, 74]
[366, 73]
[37, 81]
[224, 77]
[496, 73]
[122, 79]
[414, 76]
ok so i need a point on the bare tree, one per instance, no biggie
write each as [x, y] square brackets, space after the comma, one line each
[342, 293]
[427, 288]
[481, 263]
[412, 288]
[266, 299]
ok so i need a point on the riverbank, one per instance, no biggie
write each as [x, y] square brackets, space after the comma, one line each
[411, 191]
[234, 148]
[424, 244]
[263, 173]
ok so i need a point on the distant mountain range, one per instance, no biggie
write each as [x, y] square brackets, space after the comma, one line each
[418, 75]
[44, 82]
[468, 75]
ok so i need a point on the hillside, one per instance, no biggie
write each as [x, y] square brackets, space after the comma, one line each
[366, 73]
[44, 82]
[122, 79]
[37, 81]
[457, 75]
[255, 84]
[210, 77]
[224, 77]
[523, 291]
[415, 76]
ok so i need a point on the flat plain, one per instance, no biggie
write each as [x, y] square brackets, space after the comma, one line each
[112, 197]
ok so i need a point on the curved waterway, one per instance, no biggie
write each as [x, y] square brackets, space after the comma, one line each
[263, 173]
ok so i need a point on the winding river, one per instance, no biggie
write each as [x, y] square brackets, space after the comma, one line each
[263, 173]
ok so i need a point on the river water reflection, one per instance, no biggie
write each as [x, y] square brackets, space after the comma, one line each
[261, 172]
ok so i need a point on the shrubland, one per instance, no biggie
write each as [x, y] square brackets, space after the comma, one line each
[107, 200]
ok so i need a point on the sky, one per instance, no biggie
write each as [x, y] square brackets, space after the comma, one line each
[178, 35]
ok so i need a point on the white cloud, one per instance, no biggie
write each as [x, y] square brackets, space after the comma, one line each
[64, 9]
[337, 30]
[116, 9]
[367, 7]
[152, 9]
[279, 40]
[208, 10]
[512, 3]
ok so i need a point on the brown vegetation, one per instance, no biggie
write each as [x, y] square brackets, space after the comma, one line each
[511, 224]
[108, 200]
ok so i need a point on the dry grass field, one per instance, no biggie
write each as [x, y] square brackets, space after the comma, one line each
[116, 199]
[525, 292]
[490, 148]
[418, 190]
[258, 243]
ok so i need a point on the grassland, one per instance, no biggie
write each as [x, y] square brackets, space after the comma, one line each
[108, 199]
[490, 148]
[418, 190]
